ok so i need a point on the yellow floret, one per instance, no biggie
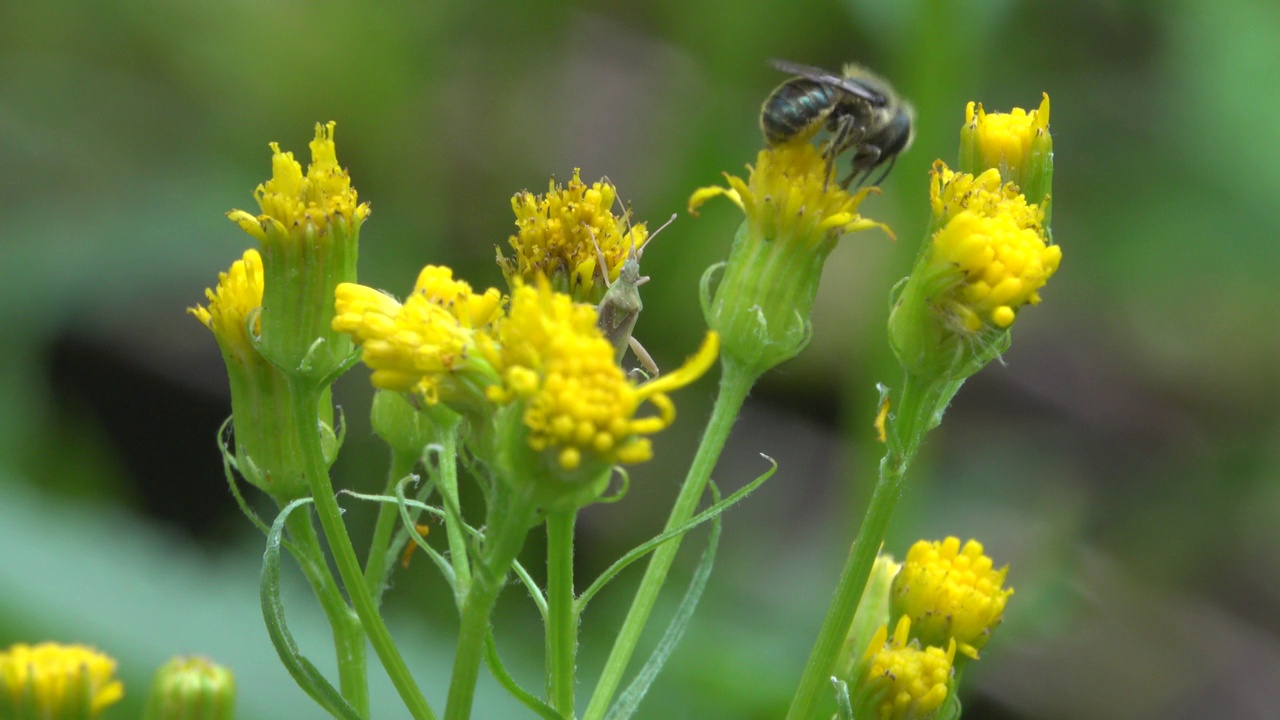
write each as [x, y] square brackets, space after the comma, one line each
[56, 680]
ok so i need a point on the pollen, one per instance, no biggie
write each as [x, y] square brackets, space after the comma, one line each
[911, 682]
[789, 194]
[232, 302]
[950, 592]
[1004, 139]
[293, 204]
[557, 235]
[55, 680]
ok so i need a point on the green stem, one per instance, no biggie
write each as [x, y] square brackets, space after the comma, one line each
[910, 422]
[562, 619]
[735, 382]
[448, 482]
[305, 399]
[348, 635]
[508, 525]
[375, 565]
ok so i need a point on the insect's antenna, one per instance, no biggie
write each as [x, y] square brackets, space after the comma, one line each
[604, 271]
[654, 234]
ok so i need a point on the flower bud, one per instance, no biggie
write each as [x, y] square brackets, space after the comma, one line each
[191, 689]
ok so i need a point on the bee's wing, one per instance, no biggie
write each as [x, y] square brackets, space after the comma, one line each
[849, 85]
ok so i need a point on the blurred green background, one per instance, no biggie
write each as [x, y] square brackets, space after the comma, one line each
[1123, 461]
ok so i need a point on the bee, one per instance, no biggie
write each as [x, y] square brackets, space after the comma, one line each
[859, 108]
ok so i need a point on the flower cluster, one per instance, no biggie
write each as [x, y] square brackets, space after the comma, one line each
[989, 250]
[544, 353]
[943, 598]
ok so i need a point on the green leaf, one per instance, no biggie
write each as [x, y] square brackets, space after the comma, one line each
[509, 683]
[643, 549]
[304, 673]
[630, 698]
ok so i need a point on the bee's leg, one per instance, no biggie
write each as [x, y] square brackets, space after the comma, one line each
[887, 168]
[863, 161]
[845, 132]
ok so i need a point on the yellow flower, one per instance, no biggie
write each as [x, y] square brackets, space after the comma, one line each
[794, 216]
[900, 681]
[995, 241]
[789, 196]
[988, 255]
[555, 233]
[309, 230]
[237, 296]
[1016, 143]
[293, 203]
[1004, 139]
[425, 345]
[950, 593]
[579, 405]
[48, 680]
[951, 193]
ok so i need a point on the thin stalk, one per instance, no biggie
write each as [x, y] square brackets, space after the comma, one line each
[508, 526]
[909, 425]
[735, 382]
[562, 618]
[305, 400]
[448, 483]
[375, 564]
[348, 635]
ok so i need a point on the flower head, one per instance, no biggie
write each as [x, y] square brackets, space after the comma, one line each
[292, 203]
[557, 235]
[988, 256]
[1016, 143]
[794, 216]
[48, 680]
[259, 411]
[578, 404]
[950, 592]
[237, 296]
[191, 687]
[900, 681]
[425, 345]
[309, 229]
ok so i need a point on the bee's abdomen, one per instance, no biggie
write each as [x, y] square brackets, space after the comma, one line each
[796, 110]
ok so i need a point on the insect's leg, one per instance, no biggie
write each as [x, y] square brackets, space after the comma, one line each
[599, 256]
[863, 161]
[845, 133]
[646, 360]
[885, 174]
